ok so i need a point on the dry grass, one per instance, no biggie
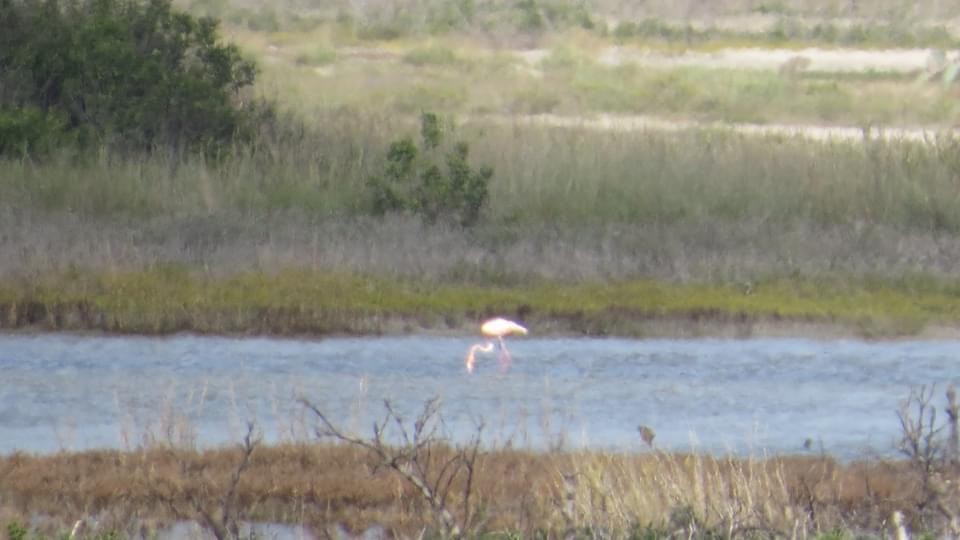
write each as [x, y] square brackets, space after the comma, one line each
[565, 204]
[222, 245]
[544, 177]
[323, 486]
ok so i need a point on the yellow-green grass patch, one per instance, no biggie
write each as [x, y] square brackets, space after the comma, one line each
[174, 299]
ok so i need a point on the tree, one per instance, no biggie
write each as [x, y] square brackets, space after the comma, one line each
[136, 75]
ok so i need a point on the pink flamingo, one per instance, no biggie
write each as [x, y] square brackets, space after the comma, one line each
[494, 328]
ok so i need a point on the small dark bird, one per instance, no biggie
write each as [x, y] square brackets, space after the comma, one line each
[647, 435]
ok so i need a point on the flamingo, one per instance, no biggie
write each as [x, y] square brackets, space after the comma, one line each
[494, 328]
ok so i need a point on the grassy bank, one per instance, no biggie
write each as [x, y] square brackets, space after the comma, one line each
[585, 230]
[316, 303]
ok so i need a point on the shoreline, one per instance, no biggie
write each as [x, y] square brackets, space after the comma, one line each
[665, 328]
[317, 304]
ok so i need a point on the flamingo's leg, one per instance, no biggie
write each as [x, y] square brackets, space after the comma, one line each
[470, 360]
[505, 358]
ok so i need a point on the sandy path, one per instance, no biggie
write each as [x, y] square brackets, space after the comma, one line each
[824, 60]
[755, 58]
[624, 123]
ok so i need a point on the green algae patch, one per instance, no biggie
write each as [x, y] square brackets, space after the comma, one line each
[301, 302]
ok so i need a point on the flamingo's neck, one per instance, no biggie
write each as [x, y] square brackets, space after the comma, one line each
[474, 349]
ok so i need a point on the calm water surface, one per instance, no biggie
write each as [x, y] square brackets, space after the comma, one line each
[746, 396]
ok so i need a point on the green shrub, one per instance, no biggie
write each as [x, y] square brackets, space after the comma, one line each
[413, 180]
[383, 31]
[529, 18]
[317, 56]
[16, 531]
[135, 75]
[28, 131]
[433, 55]
[263, 19]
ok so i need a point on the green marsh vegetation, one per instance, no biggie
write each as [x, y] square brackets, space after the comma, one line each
[583, 75]
[581, 60]
[315, 199]
[143, 221]
[578, 226]
[885, 23]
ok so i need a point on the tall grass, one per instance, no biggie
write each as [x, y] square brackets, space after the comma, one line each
[544, 175]
[565, 203]
[581, 177]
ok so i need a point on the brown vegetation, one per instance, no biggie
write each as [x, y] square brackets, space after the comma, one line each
[323, 486]
[408, 479]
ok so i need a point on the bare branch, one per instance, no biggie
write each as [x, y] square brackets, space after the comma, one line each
[415, 461]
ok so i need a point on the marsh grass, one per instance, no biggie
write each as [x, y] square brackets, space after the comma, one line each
[891, 23]
[317, 56]
[525, 493]
[295, 302]
[461, 78]
[746, 96]
[471, 71]
[579, 225]
[543, 175]
[786, 31]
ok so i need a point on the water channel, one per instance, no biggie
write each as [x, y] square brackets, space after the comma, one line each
[756, 396]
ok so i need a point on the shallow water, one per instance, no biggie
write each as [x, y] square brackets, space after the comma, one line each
[746, 396]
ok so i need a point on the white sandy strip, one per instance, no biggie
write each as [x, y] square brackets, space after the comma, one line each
[823, 60]
[605, 122]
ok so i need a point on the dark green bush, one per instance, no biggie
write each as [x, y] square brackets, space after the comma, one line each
[414, 181]
[29, 131]
[131, 74]
[16, 531]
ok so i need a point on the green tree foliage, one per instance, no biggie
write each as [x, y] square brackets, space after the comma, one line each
[131, 74]
[414, 180]
[29, 130]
